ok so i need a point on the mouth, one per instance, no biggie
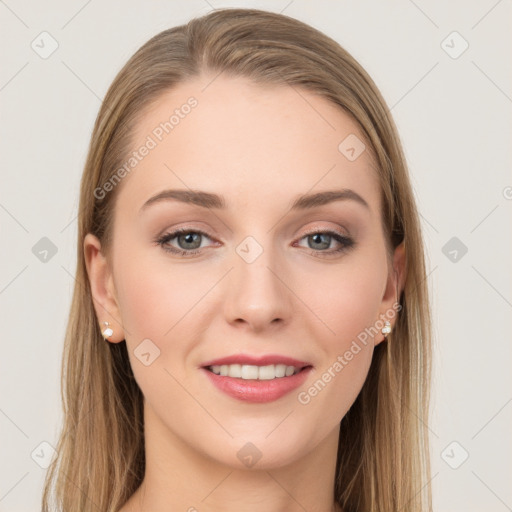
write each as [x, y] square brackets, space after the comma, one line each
[254, 372]
[251, 379]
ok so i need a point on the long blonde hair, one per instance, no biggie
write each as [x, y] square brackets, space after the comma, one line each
[383, 456]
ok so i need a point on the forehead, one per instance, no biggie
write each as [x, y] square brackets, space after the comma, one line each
[244, 140]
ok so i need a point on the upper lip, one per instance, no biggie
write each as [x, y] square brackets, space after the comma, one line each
[263, 360]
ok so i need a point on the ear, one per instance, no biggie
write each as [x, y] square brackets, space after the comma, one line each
[102, 288]
[394, 287]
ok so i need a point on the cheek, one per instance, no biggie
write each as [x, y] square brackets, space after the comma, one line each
[157, 302]
[154, 295]
[346, 299]
[350, 310]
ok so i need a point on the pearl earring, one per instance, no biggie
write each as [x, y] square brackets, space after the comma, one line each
[386, 329]
[108, 331]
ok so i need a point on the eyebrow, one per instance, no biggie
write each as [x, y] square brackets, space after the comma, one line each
[209, 200]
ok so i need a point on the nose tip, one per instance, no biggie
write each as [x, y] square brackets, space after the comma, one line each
[256, 297]
[257, 319]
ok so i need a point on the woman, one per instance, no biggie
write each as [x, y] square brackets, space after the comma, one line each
[250, 327]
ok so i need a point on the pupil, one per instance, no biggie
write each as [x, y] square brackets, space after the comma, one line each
[317, 240]
[189, 239]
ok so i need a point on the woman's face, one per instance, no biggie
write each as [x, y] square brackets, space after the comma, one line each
[249, 284]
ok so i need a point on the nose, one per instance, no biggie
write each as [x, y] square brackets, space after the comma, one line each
[257, 296]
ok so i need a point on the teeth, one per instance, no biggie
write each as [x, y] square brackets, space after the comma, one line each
[246, 371]
[281, 370]
[289, 370]
[267, 372]
[235, 370]
[249, 372]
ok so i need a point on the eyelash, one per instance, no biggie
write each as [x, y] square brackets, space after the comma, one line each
[347, 243]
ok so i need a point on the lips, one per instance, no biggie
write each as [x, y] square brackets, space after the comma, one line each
[256, 379]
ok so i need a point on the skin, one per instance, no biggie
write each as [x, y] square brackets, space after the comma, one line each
[261, 148]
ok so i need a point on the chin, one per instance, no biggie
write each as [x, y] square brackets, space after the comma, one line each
[260, 450]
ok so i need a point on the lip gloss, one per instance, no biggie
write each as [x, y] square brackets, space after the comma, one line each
[257, 391]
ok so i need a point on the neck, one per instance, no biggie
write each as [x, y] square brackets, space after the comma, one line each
[178, 477]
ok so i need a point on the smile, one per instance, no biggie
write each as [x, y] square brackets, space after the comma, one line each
[252, 372]
[256, 379]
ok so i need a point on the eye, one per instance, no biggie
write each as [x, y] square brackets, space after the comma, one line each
[321, 240]
[188, 241]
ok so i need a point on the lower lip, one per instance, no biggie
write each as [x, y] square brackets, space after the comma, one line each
[258, 391]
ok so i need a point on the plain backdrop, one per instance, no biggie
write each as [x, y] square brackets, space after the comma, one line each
[444, 69]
